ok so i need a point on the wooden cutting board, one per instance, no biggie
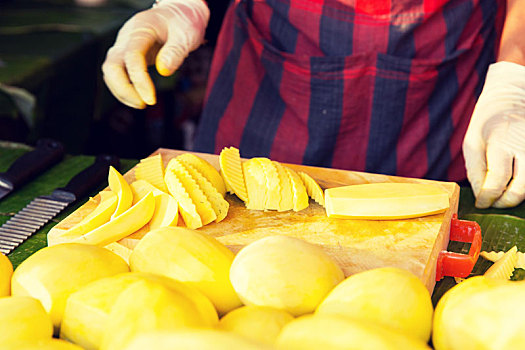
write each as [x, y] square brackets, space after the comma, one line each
[357, 245]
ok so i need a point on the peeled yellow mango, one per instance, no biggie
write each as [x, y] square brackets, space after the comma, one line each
[151, 169]
[300, 196]
[191, 257]
[187, 208]
[166, 207]
[285, 273]
[481, 313]
[99, 216]
[255, 185]
[6, 271]
[23, 318]
[504, 267]
[287, 193]
[314, 332]
[205, 169]
[87, 310]
[259, 323]
[201, 339]
[385, 201]
[390, 296]
[48, 344]
[121, 226]
[53, 273]
[118, 184]
[233, 173]
[312, 188]
[145, 306]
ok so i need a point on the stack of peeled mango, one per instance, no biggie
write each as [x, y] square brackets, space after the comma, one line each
[178, 288]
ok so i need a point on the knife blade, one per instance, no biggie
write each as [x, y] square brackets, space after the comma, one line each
[44, 208]
[46, 153]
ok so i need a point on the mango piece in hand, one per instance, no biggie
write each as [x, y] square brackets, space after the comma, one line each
[53, 273]
[191, 257]
[6, 271]
[23, 318]
[285, 273]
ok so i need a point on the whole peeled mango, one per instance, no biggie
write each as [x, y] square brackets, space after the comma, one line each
[53, 273]
[190, 257]
[481, 313]
[23, 318]
[285, 273]
[87, 313]
[259, 323]
[314, 332]
[6, 271]
[389, 296]
[201, 339]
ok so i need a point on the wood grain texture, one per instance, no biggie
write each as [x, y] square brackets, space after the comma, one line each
[357, 245]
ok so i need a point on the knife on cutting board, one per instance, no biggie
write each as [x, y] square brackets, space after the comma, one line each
[46, 153]
[44, 208]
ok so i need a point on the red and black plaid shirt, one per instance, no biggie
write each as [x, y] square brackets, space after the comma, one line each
[381, 86]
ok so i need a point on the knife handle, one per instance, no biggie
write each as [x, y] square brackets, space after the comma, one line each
[46, 153]
[89, 178]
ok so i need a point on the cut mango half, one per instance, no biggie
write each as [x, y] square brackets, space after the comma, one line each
[99, 216]
[232, 170]
[385, 201]
[205, 169]
[118, 184]
[312, 188]
[300, 196]
[121, 226]
[504, 267]
[196, 194]
[187, 208]
[151, 169]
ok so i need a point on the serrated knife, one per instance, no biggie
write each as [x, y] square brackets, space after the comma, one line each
[46, 153]
[44, 208]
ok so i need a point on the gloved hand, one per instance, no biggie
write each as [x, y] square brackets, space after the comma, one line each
[163, 35]
[494, 145]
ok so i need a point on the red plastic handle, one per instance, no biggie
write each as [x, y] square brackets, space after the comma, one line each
[456, 264]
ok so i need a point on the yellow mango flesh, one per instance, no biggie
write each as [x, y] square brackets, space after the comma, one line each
[201, 339]
[6, 271]
[313, 332]
[504, 267]
[286, 202]
[121, 226]
[99, 216]
[285, 273]
[385, 201]
[48, 344]
[233, 172]
[23, 318]
[187, 208]
[151, 169]
[118, 184]
[42, 275]
[147, 305]
[312, 188]
[300, 196]
[166, 207]
[191, 257]
[259, 323]
[205, 169]
[87, 310]
[255, 185]
[389, 296]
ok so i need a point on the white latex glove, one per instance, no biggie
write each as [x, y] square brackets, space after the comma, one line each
[163, 35]
[494, 145]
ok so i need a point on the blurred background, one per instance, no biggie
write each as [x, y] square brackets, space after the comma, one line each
[51, 52]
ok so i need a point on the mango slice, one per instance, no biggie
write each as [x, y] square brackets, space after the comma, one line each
[300, 196]
[187, 208]
[118, 184]
[385, 201]
[255, 185]
[229, 189]
[166, 207]
[232, 170]
[119, 249]
[6, 271]
[99, 216]
[504, 267]
[196, 194]
[286, 202]
[273, 186]
[312, 188]
[218, 203]
[121, 226]
[151, 169]
[206, 169]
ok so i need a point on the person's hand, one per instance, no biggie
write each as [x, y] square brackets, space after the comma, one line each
[163, 35]
[494, 145]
